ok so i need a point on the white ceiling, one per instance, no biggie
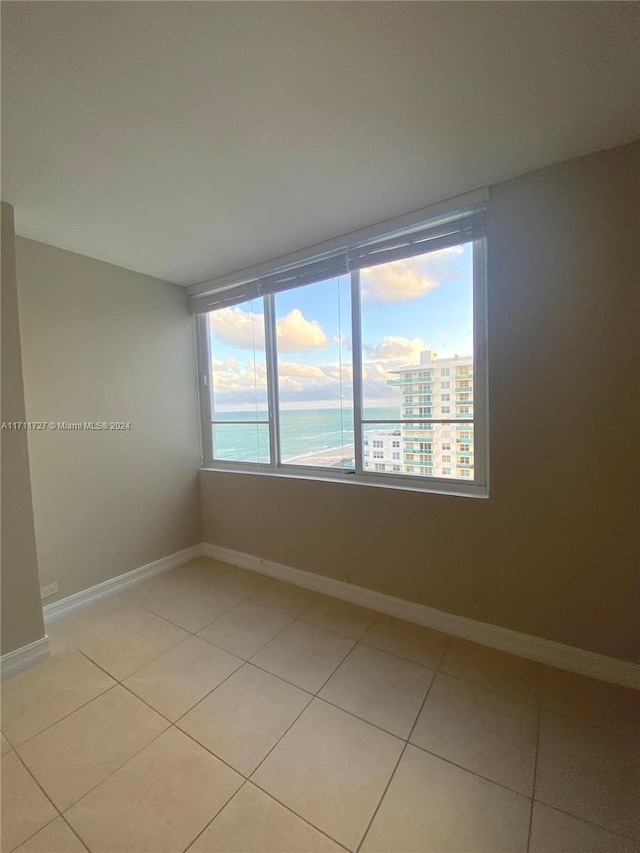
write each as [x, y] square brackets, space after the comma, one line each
[186, 140]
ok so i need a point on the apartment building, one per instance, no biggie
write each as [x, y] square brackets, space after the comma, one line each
[440, 389]
[383, 450]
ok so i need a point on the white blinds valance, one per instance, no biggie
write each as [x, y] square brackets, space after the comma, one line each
[355, 251]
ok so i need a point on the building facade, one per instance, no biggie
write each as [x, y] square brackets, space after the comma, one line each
[436, 388]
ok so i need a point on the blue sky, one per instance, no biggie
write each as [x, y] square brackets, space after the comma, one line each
[407, 306]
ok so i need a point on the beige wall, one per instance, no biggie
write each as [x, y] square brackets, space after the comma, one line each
[554, 551]
[101, 343]
[21, 609]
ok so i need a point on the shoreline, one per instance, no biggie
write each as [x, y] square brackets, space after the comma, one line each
[332, 456]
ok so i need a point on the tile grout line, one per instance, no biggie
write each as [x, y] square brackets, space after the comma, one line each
[293, 812]
[207, 695]
[299, 618]
[71, 829]
[487, 689]
[296, 618]
[405, 740]
[608, 829]
[312, 697]
[402, 752]
[33, 834]
[362, 641]
[78, 650]
[58, 813]
[174, 724]
[289, 727]
[363, 720]
[249, 781]
[220, 810]
[467, 770]
[64, 717]
[131, 757]
[535, 772]
[113, 772]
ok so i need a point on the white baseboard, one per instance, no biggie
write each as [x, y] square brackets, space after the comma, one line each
[114, 586]
[534, 648]
[24, 657]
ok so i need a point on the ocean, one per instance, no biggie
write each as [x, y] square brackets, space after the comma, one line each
[302, 432]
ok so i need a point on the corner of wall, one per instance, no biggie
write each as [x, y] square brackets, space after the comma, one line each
[22, 622]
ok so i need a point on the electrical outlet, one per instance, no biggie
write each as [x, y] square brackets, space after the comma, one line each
[49, 589]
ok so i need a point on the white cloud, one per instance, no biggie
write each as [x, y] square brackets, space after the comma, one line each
[396, 349]
[245, 330]
[238, 384]
[237, 327]
[231, 376]
[400, 281]
[307, 370]
[412, 278]
[297, 334]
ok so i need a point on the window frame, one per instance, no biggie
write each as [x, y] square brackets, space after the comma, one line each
[479, 485]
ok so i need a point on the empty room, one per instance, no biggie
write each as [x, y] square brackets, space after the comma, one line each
[320, 427]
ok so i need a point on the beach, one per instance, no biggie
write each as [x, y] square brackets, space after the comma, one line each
[333, 457]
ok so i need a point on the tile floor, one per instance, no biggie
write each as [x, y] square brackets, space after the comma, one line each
[214, 709]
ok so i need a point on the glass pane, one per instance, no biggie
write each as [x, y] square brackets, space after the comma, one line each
[241, 442]
[239, 381]
[420, 450]
[315, 375]
[410, 309]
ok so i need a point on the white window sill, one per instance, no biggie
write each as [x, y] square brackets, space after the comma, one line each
[456, 488]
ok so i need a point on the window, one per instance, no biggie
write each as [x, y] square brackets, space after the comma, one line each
[240, 434]
[309, 366]
[311, 325]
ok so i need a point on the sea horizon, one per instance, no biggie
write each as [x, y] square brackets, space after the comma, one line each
[303, 433]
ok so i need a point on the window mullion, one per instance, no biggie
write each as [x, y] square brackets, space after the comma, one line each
[272, 378]
[480, 383]
[356, 356]
[205, 388]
